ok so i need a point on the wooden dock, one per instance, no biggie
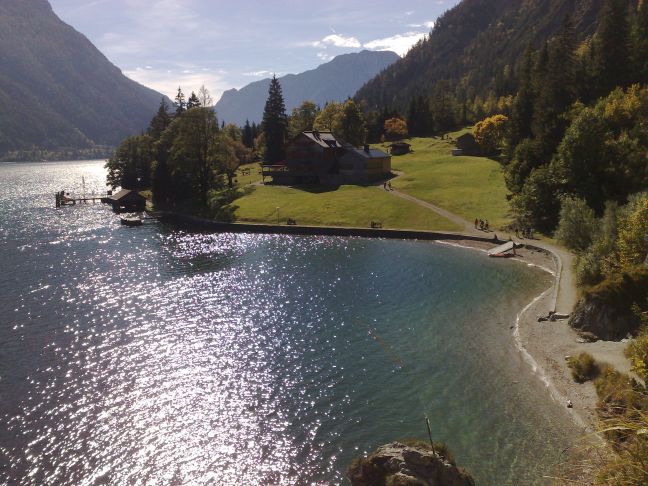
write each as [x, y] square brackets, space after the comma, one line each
[62, 199]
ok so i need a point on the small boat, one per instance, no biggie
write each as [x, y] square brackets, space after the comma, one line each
[131, 220]
[502, 251]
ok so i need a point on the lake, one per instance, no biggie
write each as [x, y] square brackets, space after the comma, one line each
[154, 356]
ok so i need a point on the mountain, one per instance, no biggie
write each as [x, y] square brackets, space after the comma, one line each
[57, 90]
[336, 80]
[475, 46]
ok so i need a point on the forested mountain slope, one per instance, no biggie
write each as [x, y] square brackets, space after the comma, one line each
[475, 47]
[57, 90]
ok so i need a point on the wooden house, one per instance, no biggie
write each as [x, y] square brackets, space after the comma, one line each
[467, 145]
[311, 158]
[126, 201]
[362, 166]
[315, 157]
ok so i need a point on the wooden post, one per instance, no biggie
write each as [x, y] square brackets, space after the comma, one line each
[427, 422]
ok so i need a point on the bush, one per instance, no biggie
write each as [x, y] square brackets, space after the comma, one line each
[637, 350]
[577, 224]
[584, 368]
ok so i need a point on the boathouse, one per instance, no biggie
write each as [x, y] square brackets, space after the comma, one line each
[315, 157]
[126, 201]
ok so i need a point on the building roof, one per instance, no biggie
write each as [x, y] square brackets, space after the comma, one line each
[324, 139]
[126, 194]
[368, 154]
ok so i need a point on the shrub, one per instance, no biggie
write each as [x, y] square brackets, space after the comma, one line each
[637, 350]
[577, 224]
[584, 368]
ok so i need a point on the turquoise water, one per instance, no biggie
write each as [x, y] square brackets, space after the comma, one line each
[153, 356]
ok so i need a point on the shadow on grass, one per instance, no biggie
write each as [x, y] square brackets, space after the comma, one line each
[316, 188]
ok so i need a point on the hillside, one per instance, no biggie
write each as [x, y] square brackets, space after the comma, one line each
[334, 81]
[476, 46]
[57, 90]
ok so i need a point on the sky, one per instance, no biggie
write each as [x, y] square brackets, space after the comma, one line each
[223, 44]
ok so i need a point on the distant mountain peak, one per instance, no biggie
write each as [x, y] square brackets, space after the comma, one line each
[335, 80]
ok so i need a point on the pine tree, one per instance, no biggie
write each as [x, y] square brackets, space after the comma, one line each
[248, 136]
[612, 47]
[193, 101]
[522, 112]
[275, 123]
[180, 103]
[640, 43]
[160, 121]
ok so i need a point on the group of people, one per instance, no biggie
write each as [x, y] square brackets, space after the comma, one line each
[387, 186]
[482, 225]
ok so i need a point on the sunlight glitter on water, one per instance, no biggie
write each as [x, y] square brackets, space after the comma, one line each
[149, 355]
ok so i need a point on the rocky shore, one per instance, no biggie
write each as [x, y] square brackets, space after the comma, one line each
[407, 465]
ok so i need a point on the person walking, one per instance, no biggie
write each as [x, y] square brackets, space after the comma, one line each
[476, 223]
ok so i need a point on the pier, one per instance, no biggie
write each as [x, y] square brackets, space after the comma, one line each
[65, 199]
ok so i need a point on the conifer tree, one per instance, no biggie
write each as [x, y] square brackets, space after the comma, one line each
[248, 136]
[180, 103]
[160, 121]
[193, 101]
[612, 47]
[522, 111]
[275, 123]
[640, 43]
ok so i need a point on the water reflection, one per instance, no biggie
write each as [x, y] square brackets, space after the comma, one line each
[146, 355]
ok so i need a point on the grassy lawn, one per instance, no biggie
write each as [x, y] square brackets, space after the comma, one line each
[250, 178]
[345, 206]
[471, 187]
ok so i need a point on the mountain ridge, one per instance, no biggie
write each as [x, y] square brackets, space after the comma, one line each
[475, 46]
[59, 91]
[335, 80]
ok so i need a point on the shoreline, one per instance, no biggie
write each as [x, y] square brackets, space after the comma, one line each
[544, 346]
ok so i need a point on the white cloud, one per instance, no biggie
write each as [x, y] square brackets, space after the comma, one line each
[399, 43]
[166, 81]
[258, 74]
[338, 41]
[324, 56]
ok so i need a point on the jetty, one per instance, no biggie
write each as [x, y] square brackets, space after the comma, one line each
[124, 201]
[65, 199]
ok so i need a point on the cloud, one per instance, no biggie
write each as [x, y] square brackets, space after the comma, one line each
[259, 74]
[166, 81]
[338, 41]
[399, 43]
[324, 56]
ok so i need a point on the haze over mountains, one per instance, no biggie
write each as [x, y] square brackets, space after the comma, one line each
[475, 47]
[336, 80]
[57, 90]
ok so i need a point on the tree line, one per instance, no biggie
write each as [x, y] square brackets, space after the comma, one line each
[185, 157]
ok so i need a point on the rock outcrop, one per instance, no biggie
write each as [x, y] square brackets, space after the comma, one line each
[404, 465]
[594, 317]
[606, 311]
